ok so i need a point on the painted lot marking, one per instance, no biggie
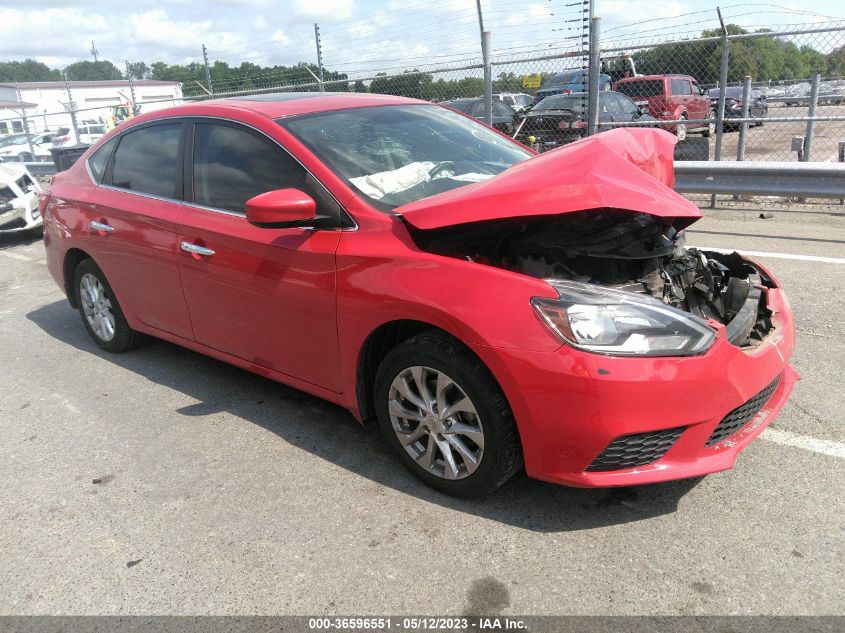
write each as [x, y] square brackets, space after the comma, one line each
[805, 258]
[825, 447]
[17, 256]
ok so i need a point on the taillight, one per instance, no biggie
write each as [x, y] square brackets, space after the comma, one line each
[566, 92]
[61, 139]
[563, 125]
[578, 124]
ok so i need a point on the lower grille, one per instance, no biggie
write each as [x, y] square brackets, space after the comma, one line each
[637, 449]
[742, 415]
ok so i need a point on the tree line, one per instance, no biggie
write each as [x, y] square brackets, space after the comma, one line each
[763, 58]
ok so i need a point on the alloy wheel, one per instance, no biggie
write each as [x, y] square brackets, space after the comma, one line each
[436, 422]
[96, 306]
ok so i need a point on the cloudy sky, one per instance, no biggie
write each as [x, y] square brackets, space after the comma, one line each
[357, 35]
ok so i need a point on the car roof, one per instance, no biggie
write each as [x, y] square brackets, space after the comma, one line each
[282, 104]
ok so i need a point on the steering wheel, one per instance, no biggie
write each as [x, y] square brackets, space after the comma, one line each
[440, 167]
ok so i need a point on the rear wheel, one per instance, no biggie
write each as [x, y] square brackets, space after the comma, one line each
[441, 410]
[100, 311]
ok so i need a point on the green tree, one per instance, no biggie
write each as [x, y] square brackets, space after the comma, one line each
[92, 71]
[27, 70]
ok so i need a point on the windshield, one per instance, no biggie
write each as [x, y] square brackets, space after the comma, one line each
[14, 139]
[398, 154]
[576, 103]
[731, 93]
[564, 79]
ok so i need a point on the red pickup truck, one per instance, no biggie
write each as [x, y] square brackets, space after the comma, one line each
[671, 98]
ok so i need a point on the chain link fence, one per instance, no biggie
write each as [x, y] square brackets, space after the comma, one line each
[763, 94]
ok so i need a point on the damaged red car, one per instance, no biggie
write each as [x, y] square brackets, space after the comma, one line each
[490, 309]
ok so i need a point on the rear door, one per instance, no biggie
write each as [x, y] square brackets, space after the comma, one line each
[264, 295]
[130, 222]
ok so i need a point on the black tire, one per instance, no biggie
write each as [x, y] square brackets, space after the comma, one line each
[681, 129]
[502, 455]
[707, 133]
[24, 157]
[124, 337]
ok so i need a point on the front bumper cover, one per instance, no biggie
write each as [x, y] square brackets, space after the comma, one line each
[570, 405]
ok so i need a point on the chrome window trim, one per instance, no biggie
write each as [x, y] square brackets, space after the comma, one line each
[201, 207]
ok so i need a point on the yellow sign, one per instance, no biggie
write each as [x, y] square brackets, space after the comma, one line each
[531, 81]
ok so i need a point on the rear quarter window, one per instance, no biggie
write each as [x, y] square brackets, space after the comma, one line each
[644, 88]
[100, 160]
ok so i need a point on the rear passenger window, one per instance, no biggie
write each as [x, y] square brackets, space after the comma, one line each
[232, 165]
[681, 87]
[146, 161]
[98, 162]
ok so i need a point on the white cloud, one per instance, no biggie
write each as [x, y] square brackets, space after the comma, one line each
[317, 9]
[279, 36]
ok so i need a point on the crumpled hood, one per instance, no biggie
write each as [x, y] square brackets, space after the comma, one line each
[627, 168]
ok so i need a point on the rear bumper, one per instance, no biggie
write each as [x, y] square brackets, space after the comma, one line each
[570, 405]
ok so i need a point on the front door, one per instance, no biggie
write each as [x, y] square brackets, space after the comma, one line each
[264, 295]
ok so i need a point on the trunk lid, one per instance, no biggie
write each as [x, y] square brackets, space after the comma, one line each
[627, 169]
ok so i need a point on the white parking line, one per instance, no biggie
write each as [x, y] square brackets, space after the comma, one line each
[825, 447]
[805, 258]
[18, 256]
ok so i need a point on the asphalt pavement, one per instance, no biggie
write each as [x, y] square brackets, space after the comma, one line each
[163, 482]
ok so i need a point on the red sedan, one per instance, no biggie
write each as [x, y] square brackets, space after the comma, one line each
[488, 307]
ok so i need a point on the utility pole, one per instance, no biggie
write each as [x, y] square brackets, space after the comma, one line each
[131, 89]
[94, 51]
[720, 107]
[488, 77]
[319, 53]
[71, 106]
[25, 123]
[594, 75]
[480, 17]
[207, 71]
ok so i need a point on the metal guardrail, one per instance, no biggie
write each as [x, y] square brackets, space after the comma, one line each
[752, 178]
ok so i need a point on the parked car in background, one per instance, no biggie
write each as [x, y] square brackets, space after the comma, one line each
[517, 100]
[89, 133]
[671, 98]
[757, 106]
[568, 82]
[561, 119]
[487, 308]
[503, 114]
[19, 192]
[20, 149]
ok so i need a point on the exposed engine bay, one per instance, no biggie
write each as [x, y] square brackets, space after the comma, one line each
[632, 252]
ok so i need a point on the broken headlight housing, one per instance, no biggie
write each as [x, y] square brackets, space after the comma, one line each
[619, 323]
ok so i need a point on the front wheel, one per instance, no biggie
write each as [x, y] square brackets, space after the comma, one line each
[24, 157]
[711, 125]
[681, 129]
[443, 413]
[100, 311]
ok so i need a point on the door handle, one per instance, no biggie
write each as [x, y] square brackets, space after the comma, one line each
[101, 227]
[196, 249]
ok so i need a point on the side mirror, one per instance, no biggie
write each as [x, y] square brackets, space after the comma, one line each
[281, 208]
